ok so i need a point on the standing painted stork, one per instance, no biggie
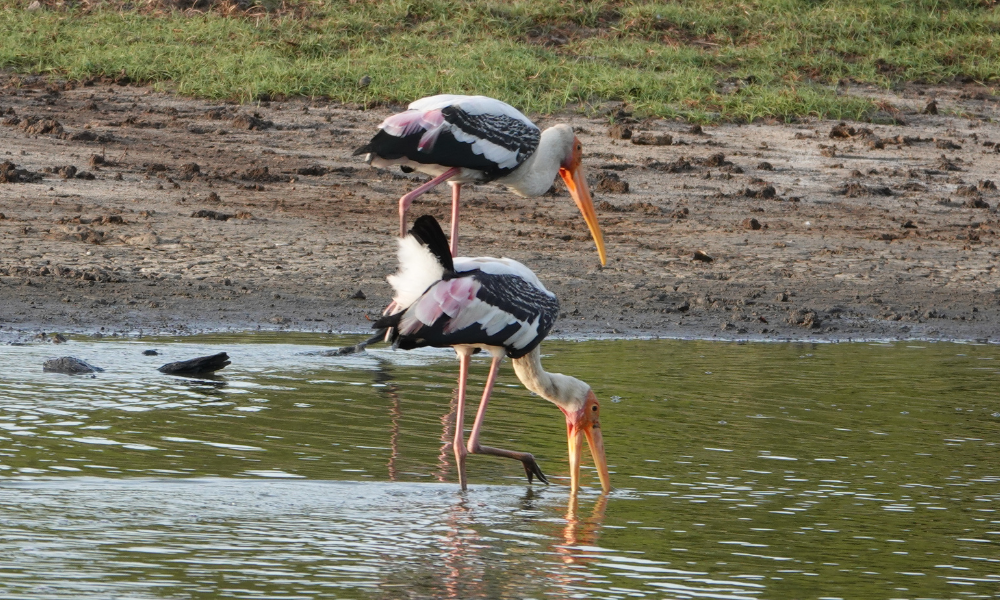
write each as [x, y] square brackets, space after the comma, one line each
[463, 139]
[497, 305]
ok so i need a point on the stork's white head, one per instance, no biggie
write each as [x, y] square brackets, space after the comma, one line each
[583, 420]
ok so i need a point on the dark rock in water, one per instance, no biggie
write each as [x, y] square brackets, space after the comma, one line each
[150, 353]
[197, 366]
[70, 366]
[342, 351]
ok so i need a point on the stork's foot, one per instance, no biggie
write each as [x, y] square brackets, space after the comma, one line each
[359, 347]
[531, 469]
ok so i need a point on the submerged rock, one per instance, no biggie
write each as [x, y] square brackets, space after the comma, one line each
[197, 366]
[69, 365]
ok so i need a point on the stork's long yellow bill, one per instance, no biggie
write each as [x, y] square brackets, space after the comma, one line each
[576, 183]
[596, 442]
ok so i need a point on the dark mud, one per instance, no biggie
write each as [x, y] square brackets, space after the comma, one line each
[123, 210]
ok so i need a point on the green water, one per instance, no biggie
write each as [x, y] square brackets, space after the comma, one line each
[741, 471]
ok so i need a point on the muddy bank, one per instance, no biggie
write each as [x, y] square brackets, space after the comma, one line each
[125, 210]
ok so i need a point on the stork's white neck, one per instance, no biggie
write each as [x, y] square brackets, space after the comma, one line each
[534, 177]
[568, 393]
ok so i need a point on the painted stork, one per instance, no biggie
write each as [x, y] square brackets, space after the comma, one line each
[497, 305]
[463, 139]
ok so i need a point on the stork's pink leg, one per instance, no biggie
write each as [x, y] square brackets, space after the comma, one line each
[407, 200]
[481, 413]
[456, 189]
[464, 357]
[531, 468]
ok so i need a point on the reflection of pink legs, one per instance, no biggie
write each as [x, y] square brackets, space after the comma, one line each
[396, 411]
[407, 200]
[579, 532]
[447, 421]
[456, 190]
[458, 446]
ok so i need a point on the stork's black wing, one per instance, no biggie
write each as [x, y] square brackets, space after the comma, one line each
[475, 307]
[471, 132]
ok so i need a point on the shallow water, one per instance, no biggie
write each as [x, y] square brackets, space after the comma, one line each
[741, 471]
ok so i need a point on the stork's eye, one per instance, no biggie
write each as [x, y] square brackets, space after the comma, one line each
[594, 408]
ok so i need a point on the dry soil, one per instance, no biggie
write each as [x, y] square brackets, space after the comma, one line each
[124, 210]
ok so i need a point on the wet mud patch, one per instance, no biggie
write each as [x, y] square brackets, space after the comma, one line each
[776, 212]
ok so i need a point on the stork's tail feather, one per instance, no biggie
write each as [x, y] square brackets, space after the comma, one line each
[366, 149]
[428, 232]
[390, 322]
[424, 259]
[381, 145]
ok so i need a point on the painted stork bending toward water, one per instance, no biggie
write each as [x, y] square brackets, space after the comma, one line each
[497, 305]
[463, 139]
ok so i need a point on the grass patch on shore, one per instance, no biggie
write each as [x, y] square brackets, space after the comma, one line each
[700, 59]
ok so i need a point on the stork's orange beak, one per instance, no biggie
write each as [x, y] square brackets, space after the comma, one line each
[576, 183]
[596, 442]
[586, 426]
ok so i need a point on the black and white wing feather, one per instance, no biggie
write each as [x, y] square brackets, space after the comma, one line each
[480, 301]
[476, 308]
[473, 132]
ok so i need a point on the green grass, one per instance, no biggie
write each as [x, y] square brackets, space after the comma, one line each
[668, 59]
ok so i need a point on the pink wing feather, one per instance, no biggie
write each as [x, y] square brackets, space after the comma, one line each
[444, 298]
[412, 121]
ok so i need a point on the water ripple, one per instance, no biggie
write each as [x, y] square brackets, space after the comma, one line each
[865, 471]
